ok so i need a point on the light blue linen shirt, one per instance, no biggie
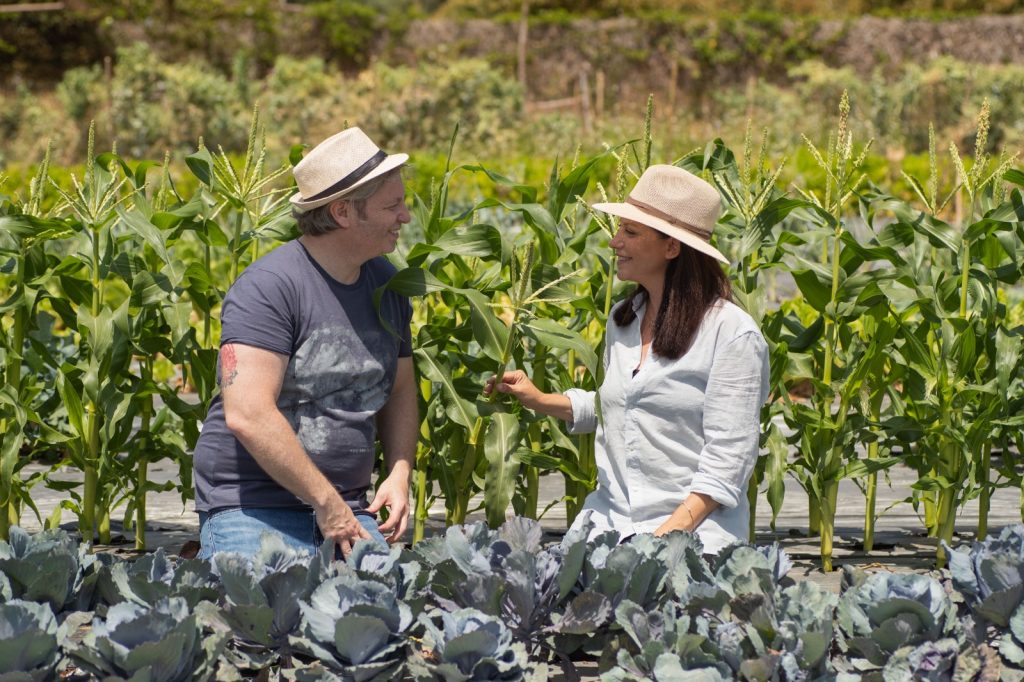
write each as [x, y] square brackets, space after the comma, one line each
[678, 426]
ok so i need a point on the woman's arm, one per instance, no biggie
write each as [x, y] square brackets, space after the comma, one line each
[690, 514]
[518, 385]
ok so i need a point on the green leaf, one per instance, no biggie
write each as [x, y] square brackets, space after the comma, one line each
[462, 410]
[488, 330]
[862, 467]
[359, 638]
[201, 165]
[552, 334]
[815, 285]
[72, 404]
[415, 282]
[481, 241]
[1015, 176]
[502, 465]
[761, 226]
[572, 185]
[150, 289]
[565, 465]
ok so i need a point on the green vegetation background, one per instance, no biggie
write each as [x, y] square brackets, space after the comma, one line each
[158, 75]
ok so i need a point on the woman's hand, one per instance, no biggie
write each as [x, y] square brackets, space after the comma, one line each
[519, 386]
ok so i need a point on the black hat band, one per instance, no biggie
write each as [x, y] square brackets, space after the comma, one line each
[353, 177]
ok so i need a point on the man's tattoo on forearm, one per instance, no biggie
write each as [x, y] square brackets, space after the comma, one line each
[228, 369]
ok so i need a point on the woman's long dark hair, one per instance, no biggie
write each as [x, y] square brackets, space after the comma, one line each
[693, 282]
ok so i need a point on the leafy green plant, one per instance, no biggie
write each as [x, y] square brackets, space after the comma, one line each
[663, 648]
[397, 568]
[933, 661]
[154, 577]
[261, 599]
[506, 573]
[459, 270]
[28, 641]
[991, 575]
[49, 567]
[470, 645]
[163, 643]
[882, 620]
[355, 629]
[840, 364]
[28, 227]
[960, 360]
[97, 410]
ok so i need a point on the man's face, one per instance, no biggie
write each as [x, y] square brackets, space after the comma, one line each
[382, 218]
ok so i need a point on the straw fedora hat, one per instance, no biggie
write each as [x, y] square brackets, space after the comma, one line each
[674, 202]
[338, 165]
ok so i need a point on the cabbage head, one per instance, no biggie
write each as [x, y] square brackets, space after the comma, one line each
[161, 643]
[881, 614]
[28, 641]
[469, 645]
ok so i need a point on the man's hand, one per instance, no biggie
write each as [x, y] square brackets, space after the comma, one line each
[393, 493]
[340, 527]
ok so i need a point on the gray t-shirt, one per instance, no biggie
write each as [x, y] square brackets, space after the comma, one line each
[342, 363]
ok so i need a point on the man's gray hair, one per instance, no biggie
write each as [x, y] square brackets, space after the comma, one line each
[319, 220]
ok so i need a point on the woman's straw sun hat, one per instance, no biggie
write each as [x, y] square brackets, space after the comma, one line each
[674, 202]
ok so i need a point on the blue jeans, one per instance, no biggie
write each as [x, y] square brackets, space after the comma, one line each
[239, 529]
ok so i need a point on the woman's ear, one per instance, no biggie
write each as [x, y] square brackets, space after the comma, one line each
[673, 248]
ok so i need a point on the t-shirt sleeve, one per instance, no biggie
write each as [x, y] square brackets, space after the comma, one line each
[257, 312]
[405, 347]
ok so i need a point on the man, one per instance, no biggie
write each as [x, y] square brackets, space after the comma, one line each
[311, 370]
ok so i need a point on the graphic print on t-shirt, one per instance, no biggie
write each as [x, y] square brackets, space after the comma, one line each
[331, 376]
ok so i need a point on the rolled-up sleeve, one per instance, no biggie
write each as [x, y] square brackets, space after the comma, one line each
[584, 411]
[737, 388]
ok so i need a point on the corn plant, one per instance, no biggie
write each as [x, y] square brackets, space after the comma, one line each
[987, 217]
[961, 356]
[26, 228]
[459, 270]
[97, 409]
[751, 233]
[159, 332]
[237, 207]
[834, 288]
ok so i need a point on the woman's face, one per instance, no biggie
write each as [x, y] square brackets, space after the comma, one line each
[642, 253]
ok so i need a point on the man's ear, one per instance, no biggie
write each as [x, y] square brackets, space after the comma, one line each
[341, 212]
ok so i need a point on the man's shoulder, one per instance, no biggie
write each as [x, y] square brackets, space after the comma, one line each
[286, 263]
[283, 259]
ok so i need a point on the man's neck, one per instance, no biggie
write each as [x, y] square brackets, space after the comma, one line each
[332, 256]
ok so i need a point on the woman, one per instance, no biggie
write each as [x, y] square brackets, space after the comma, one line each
[686, 374]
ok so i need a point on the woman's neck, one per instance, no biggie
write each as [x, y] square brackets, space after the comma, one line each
[654, 294]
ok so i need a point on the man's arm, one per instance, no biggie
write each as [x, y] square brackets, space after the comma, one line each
[398, 424]
[250, 382]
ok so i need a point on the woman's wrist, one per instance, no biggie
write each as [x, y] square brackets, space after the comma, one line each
[555, 405]
[690, 523]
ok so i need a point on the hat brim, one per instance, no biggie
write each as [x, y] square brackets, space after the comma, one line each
[392, 162]
[631, 212]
